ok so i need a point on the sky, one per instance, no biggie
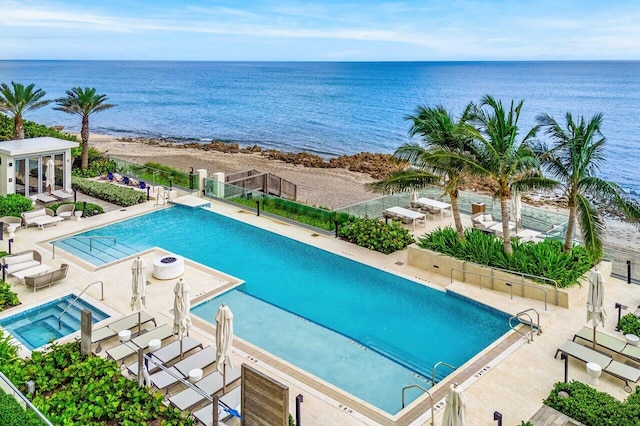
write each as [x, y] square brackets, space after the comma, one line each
[356, 30]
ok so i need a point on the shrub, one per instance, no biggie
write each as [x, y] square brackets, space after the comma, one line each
[14, 205]
[72, 389]
[591, 407]
[90, 210]
[544, 259]
[376, 235]
[124, 197]
[630, 324]
[7, 297]
[11, 413]
[31, 130]
[98, 164]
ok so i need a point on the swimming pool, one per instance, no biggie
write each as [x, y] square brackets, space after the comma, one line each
[37, 326]
[321, 311]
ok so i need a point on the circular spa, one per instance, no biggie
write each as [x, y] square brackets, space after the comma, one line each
[168, 267]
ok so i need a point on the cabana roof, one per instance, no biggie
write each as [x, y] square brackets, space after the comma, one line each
[24, 147]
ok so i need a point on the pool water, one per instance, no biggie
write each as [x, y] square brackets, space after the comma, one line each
[318, 310]
[38, 326]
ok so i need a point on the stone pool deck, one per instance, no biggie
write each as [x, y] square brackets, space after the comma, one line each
[511, 376]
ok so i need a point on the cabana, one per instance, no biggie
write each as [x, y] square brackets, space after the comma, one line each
[23, 166]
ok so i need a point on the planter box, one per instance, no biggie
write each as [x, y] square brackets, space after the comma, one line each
[490, 278]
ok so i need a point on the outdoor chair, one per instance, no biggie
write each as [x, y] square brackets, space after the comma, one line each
[209, 384]
[231, 400]
[45, 199]
[125, 180]
[20, 262]
[168, 354]
[201, 359]
[46, 279]
[66, 210]
[62, 195]
[127, 349]
[111, 330]
[611, 343]
[143, 185]
[10, 220]
[609, 365]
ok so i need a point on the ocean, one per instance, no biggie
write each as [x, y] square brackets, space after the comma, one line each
[336, 108]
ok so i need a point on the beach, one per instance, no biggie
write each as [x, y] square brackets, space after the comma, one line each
[332, 188]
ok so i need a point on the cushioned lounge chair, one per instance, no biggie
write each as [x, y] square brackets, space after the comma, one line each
[62, 195]
[127, 349]
[111, 330]
[66, 210]
[609, 365]
[209, 384]
[231, 400]
[201, 359]
[45, 199]
[609, 342]
[46, 279]
[168, 354]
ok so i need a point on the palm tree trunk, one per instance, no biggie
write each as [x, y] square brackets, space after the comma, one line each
[506, 238]
[18, 128]
[456, 213]
[571, 228]
[84, 134]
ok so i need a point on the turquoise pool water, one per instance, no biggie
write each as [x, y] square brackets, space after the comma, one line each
[364, 330]
[37, 326]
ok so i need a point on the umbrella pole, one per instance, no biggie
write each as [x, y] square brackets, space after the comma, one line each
[224, 378]
[139, 322]
[181, 353]
[594, 337]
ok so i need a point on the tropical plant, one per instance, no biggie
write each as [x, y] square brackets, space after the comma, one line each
[431, 163]
[376, 235]
[31, 130]
[497, 154]
[121, 196]
[14, 205]
[7, 297]
[575, 157]
[630, 324]
[19, 100]
[12, 413]
[543, 259]
[83, 102]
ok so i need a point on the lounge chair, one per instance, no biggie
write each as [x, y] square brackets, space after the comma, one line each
[168, 354]
[126, 181]
[201, 359]
[609, 365]
[45, 199]
[20, 262]
[127, 349]
[609, 342]
[111, 330]
[231, 400]
[65, 210]
[46, 279]
[61, 195]
[209, 384]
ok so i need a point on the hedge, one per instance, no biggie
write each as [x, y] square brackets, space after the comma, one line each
[12, 414]
[123, 197]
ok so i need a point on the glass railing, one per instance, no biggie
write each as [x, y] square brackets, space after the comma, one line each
[619, 256]
[286, 209]
[154, 176]
[10, 389]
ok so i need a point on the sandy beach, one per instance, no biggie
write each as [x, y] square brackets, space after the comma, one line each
[331, 188]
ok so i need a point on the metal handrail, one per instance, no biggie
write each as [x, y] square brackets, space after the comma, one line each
[77, 297]
[510, 285]
[24, 399]
[423, 390]
[83, 237]
[530, 323]
[435, 367]
[523, 275]
[491, 277]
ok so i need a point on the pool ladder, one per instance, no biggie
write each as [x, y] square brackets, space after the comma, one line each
[76, 299]
[523, 317]
[433, 383]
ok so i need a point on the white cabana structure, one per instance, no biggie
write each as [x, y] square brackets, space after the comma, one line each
[23, 165]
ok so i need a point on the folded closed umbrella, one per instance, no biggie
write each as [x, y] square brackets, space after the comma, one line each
[595, 300]
[455, 405]
[181, 308]
[224, 341]
[138, 287]
[50, 175]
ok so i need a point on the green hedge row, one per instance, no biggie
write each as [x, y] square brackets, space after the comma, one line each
[12, 414]
[14, 205]
[124, 197]
[594, 408]
[376, 235]
[544, 259]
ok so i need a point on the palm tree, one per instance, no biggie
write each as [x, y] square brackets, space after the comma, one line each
[19, 100]
[83, 102]
[575, 157]
[429, 163]
[497, 155]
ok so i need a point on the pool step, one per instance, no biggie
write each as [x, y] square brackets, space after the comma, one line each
[98, 252]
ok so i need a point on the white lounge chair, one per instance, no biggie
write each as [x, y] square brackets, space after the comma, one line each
[125, 323]
[609, 342]
[209, 384]
[62, 195]
[231, 400]
[609, 365]
[201, 359]
[127, 349]
[168, 354]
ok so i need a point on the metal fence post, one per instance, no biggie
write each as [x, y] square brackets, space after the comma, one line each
[299, 399]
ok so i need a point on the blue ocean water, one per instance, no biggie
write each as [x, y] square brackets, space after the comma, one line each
[336, 108]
